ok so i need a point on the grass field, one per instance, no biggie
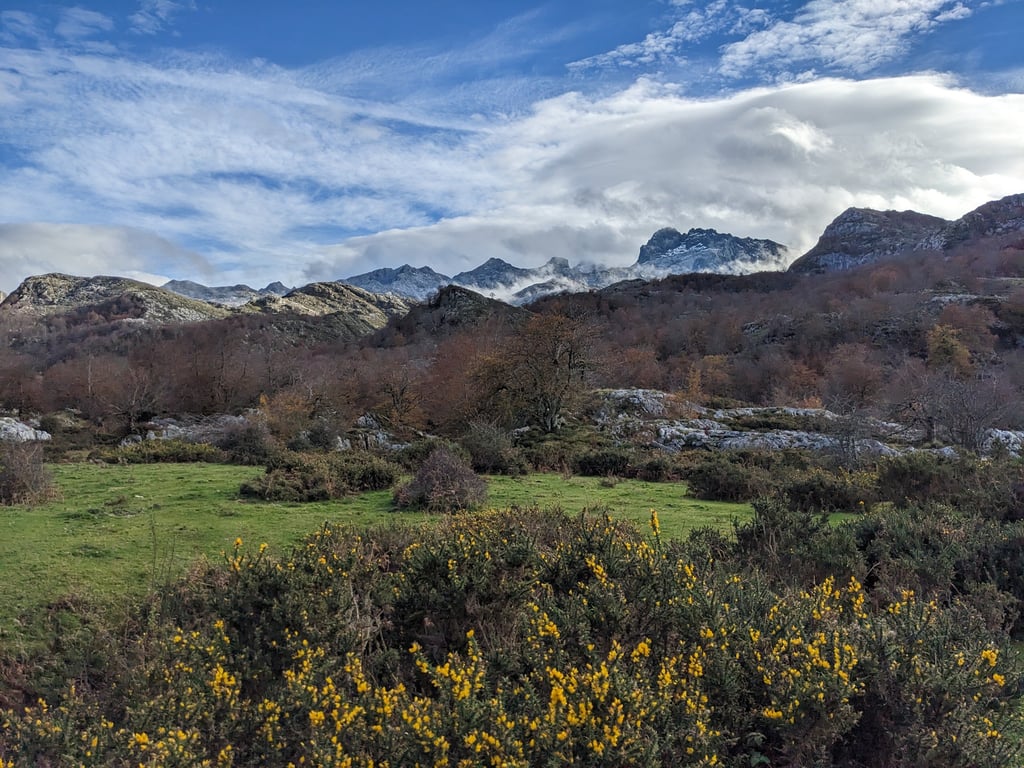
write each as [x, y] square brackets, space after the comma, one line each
[120, 531]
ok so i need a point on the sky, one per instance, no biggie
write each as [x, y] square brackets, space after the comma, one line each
[228, 141]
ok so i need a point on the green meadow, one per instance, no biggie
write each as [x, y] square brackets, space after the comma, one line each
[121, 531]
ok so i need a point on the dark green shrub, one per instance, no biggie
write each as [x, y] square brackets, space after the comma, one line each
[919, 477]
[364, 471]
[602, 463]
[444, 483]
[549, 456]
[795, 546]
[557, 452]
[412, 456]
[292, 476]
[250, 444]
[160, 451]
[322, 436]
[491, 450]
[720, 478]
[289, 485]
[654, 469]
[819, 490]
[990, 487]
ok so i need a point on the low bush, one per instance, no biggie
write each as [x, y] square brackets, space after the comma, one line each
[655, 469]
[613, 462]
[918, 477]
[491, 450]
[444, 483]
[720, 477]
[303, 477]
[24, 478]
[160, 451]
[558, 451]
[412, 456]
[990, 486]
[248, 444]
[819, 490]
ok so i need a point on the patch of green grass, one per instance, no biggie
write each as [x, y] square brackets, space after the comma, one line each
[626, 499]
[121, 531]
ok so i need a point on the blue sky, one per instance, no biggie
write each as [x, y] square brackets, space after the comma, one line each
[226, 141]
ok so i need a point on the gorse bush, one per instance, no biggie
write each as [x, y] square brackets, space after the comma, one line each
[533, 639]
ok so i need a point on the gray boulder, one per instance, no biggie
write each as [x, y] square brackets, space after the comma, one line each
[14, 431]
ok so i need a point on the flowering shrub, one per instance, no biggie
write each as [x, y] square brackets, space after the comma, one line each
[531, 638]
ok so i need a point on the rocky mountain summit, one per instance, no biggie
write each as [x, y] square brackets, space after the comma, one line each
[54, 294]
[670, 252]
[857, 236]
[863, 236]
[993, 219]
[225, 295]
[418, 283]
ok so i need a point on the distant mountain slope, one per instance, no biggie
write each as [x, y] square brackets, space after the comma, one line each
[417, 283]
[54, 294]
[993, 219]
[670, 252]
[453, 308]
[319, 311]
[499, 279]
[226, 295]
[352, 310]
[862, 236]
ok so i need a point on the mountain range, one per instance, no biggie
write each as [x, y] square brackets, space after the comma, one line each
[362, 303]
[857, 236]
[668, 252]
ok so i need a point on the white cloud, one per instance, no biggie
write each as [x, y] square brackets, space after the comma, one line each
[78, 23]
[154, 15]
[851, 35]
[668, 47]
[839, 36]
[16, 26]
[37, 248]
